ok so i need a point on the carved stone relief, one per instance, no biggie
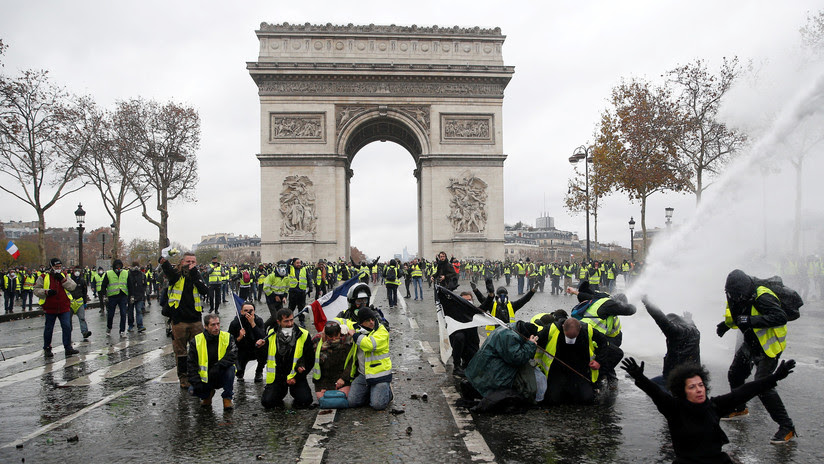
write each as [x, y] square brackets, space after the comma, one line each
[297, 207]
[297, 127]
[463, 128]
[468, 204]
[420, 113]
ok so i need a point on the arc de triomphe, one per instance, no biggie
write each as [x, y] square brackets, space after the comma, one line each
[327, 91]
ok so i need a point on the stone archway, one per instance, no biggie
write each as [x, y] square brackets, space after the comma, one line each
[327, 91]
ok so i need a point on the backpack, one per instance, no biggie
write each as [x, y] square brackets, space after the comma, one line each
[333, 399]
[391, 273]
[246, 277]
[580, 309]
[790, 300]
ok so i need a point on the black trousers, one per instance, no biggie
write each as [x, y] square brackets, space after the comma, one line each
[214, 298]
[741, 368]
[465, 344]
[246, 355]
[275, 392]
[297, 299]
[567, 388]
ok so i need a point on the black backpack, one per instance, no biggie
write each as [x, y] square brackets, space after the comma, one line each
[790, 300]
[391, 273]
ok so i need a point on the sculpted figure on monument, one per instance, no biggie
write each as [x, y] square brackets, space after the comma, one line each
[297, 206]
[296, 128]
[468, 204]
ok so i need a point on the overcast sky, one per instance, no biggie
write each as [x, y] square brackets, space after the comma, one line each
[567, 57]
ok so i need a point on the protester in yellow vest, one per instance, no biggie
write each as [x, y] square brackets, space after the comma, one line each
[116, 287]
[757, 312]
[371, 365]
[211, 363]
[289, 360]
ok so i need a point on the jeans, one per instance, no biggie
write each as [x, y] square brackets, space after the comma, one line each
[520, 285]
[27, 294]
[120, 301]
[392, 295]
[378, 396]
[225, 289]
[136, 312]
[226, 381]
[417, 283]
[65, 325]
[81, 316]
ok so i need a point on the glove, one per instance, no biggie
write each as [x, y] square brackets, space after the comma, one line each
[363, 330]
[472, 284]
[489, 287]
[743, 322]
[165, 252]
[51, 292]
[784, 369]
[633, 369]
[721, 329]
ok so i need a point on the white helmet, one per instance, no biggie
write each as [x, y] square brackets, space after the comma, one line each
[359, 290]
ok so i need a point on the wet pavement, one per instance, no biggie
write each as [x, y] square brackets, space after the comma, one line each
[120, 402]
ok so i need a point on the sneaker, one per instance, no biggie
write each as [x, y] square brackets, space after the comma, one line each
[784, 435]
[736, 415]
[122, 334]
[109, 331]
[227, 403]
[87, 334]
[71, 352]
[141, 330]
[131, 329]
[184, 383]
[47, 352]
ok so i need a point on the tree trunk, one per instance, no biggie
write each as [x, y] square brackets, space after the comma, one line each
[699, 182]
[164, 221]
[116, 236]
[644, 222]
[41, 235]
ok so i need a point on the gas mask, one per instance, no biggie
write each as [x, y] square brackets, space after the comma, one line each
[280, 271]
[502, 298]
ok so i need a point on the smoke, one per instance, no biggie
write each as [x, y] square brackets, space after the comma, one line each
[748, 218]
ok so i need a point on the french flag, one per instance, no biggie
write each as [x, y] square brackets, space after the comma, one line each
[11, 248]
[329, 305]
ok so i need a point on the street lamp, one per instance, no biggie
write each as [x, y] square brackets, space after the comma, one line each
[584, 153]
[103, 248]
[80, 215]
[631, 240]
[668, 215]
[114, 241]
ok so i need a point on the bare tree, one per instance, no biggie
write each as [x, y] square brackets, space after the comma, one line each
[44, 133]
[166, 137]
[113, 167]
[705, 144]
[599, 187]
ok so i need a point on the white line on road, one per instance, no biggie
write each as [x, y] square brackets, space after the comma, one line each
[118, 369]
[413, 323]
[68, 418]
[474, 442]
[437, 367]
[313, 450]
[426, 347]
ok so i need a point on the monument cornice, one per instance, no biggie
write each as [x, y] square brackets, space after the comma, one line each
[379, 30]
[336, 68]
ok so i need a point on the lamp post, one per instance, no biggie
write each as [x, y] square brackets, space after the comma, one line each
[631, 240]
[668, 215]
[114, 241]
[103, 248]
[584, 153]
[80, 215]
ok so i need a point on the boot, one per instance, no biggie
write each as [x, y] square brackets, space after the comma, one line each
[227, 403]
[208, 401]
[183, 372]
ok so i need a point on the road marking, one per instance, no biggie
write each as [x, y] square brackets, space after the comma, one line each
[412, 323]
[313, 450]
[68, 418]
[437, 367]
[474, 442]
[118, 369]
[426, 347]
[169, 376]
[67, 362]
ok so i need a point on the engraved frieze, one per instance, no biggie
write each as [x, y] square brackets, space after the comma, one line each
[361, 88]
[297, 127]
[464, 128]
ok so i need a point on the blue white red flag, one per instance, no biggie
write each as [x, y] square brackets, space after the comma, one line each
[329, 305]
[12, 249]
